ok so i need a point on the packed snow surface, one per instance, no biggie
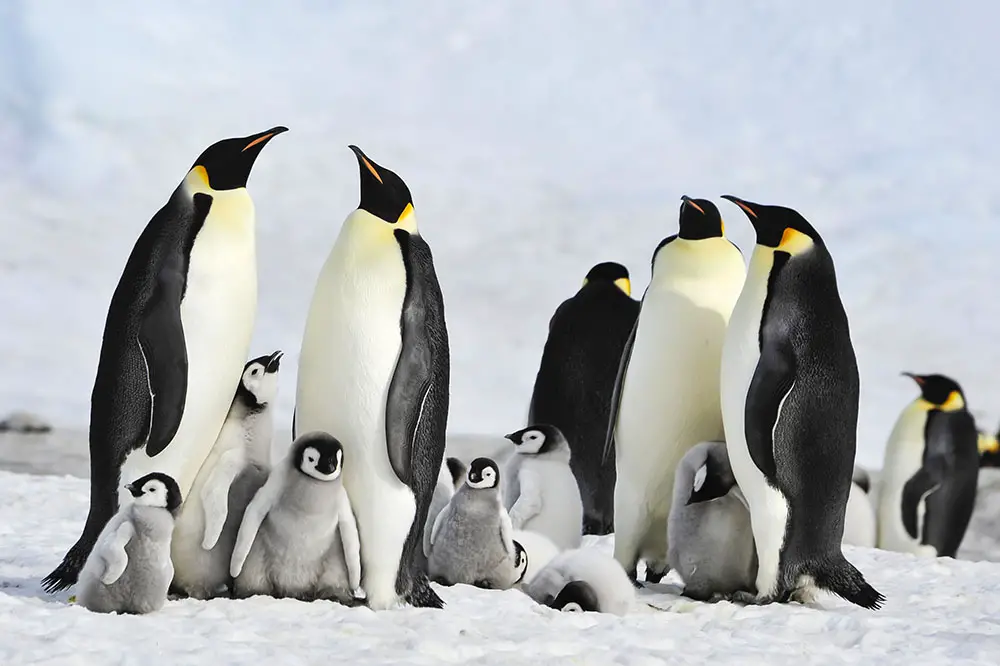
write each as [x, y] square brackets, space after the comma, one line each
[937, 612]
[538, 138]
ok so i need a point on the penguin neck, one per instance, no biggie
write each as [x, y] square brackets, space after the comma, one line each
[685, 261]
[233, 208]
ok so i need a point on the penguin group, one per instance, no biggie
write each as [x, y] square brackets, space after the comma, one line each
[710, 425]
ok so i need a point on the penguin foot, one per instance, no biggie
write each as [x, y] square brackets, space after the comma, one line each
[746, 598]
[653, 576]
[697, 594]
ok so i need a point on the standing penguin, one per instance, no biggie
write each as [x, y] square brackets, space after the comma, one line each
[205, 530]
[666, 397]
[129, 568]
[471, 539]
[711, 541]
[539, 489]
[930, 472]
[298, 537]
[576, 377]
[376, 327]
[790, 403]
[177, 335]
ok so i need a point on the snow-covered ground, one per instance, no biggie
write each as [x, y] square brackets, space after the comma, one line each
[538, 138]
[942, 611]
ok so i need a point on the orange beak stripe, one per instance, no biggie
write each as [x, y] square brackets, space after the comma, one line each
[372, 169]
[259, 139]
[691, 203]
[746, 209]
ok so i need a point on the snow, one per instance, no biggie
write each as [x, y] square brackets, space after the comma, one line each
[538, 139]
[937, 611]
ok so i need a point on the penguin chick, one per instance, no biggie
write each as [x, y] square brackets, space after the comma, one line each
[298, 537]
[539, 551]
[234, 471]
[443, 491]
[471, 539]
[595, 582]
[540, 491]
[129, 569]
[710, 538]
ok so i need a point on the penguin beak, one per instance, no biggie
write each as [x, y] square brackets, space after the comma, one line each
[258, 141]
[511, 437]
[383, 193]
[688, 201]
[274, 362]
[136, 492]
[746, 206]
[917, 378]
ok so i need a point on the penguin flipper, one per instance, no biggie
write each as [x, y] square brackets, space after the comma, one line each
[161, 342]
[772, 382]
[616, 394]
[927, 479]
[114, 555]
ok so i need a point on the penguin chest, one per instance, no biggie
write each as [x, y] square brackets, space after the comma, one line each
[903, 458]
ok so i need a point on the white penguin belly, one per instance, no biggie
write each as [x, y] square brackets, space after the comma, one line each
[904, 456]
[859, 521]
[741, 353]
[349, 352]
[561, 515]
[217, 313]
[670, 402]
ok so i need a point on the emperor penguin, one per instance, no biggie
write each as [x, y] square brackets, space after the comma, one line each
[576, 377]
[205, 530]
[930, 472]
[298, 537]
[374, 369]
[711, 541]
[176, 337]
[666, 396]
[790, 403]
[129, 569]
[989, 449]
[471, 540]
[583, 579]
[539, 489]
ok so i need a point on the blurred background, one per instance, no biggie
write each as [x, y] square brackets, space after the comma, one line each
[537, 138]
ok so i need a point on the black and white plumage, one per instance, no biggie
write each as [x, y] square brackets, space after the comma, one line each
[298, 537]
[176, 338]
[931, 472]
[471, 540]
[129, 569]
[236, 468]
[790, 391]
[583, 579]
[539, 489]
[576, 377]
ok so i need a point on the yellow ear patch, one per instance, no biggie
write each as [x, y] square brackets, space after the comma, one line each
[794, 242]
[623, 284]
[722, 227]
[953, 403]
[406, 211]
[988, 443]
[372, 169]
[201, 173]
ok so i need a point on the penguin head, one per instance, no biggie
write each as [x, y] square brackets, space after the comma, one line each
[779, 228]
[612, 273]
[457, 470]
[713, 477]
[939, 392]
[538, 439]
[520, 562]
[576, 596]
[226, 164]
[259, 382]
[157, 490]
[318, 456]
[383, 193]
[483, 473]
[699, 219]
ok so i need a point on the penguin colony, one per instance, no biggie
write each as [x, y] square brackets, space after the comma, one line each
[710, 425]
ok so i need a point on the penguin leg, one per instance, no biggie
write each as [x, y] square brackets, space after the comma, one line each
[632, 523]
[654, 549]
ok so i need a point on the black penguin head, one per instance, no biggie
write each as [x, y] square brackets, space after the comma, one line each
[713, 477]
[611, 273]
[520, 562]
[457, 470]
[227, 163]
[699, 219]
[576, 596]
[483, 473]
[259, 383]
[318, 456]
[537, 439]
[942, 393]
[157, 490]
[777, 227]
[383, 193]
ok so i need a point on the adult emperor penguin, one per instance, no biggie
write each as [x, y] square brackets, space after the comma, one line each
[374, 371]
[930, 472]
[576, 378]
[790, 404]
[176, 338]
[666, 397]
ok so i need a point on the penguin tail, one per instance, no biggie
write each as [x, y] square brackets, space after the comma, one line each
[422, 595]
[843, 579]
[68, 571]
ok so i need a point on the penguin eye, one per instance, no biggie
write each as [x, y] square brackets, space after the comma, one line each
[255, 372]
